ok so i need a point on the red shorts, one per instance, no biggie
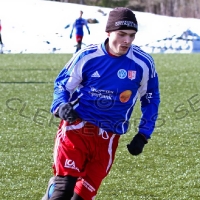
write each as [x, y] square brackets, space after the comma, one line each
[85, 151]
[79, 38]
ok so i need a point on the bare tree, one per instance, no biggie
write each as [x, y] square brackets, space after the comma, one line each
[176, 8]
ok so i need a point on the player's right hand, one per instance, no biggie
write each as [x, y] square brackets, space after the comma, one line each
[66, 112]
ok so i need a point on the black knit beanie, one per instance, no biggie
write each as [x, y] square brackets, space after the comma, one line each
[121, 19]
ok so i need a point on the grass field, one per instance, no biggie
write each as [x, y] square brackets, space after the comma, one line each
[169, 167]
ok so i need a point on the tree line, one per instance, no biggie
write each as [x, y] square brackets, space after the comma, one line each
[175, 8]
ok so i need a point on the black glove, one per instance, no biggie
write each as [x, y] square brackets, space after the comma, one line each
[88, 32]
[137, 144]
[66, 112]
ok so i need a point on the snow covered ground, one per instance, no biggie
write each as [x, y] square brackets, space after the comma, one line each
[38, 26]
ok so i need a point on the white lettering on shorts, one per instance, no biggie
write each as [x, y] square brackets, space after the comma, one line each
[71, 164]
[88, 186]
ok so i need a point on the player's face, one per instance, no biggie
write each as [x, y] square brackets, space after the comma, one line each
[120, 41]
[81, 13]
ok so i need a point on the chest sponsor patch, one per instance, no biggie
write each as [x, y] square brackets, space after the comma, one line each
[122, 74]
[125, 96]
[131, 74]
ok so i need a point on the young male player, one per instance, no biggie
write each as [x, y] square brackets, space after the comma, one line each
[94, 96]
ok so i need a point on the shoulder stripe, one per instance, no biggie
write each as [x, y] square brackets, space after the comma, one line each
[76, 57]
[148, 58]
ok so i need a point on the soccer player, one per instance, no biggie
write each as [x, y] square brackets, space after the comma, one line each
[0, 33]
[94, 96]
[1, 43]
[78, 25]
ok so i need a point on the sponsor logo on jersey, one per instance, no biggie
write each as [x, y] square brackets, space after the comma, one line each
[122, 73]
[96, 74]
[149, 95]
[104, 98]
[131, 74]
[71, 164]
[125, 96]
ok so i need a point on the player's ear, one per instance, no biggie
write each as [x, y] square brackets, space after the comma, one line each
[108, 34]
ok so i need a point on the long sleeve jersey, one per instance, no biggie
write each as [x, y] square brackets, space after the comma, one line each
[108, 87]
[78, 25]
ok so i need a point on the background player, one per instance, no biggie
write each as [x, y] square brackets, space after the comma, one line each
[1, 43]
[78, 26]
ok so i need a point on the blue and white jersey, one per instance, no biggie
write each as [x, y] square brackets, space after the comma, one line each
[78, 25]
[108, 87]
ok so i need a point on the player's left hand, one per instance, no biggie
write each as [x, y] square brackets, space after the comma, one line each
[137, 144]
[88, 32]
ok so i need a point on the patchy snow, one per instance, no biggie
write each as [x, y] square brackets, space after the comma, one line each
[38, 26]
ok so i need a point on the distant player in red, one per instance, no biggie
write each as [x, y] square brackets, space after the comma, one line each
[78, 25]
[0, 34]
[1, 43]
